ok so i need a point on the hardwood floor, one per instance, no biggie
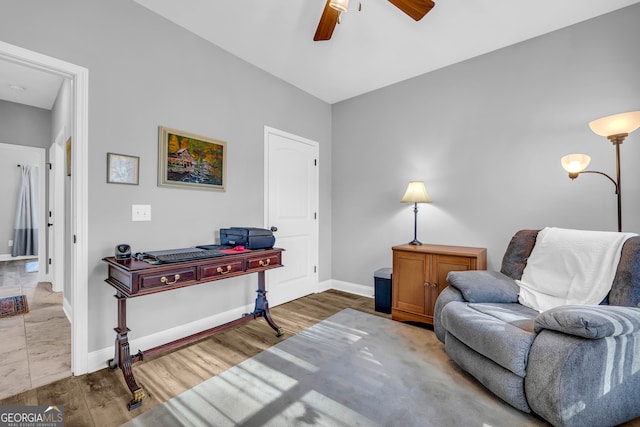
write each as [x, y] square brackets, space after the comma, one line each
[100, 398]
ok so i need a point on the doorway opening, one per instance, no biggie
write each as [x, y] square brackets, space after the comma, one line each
[77, 232]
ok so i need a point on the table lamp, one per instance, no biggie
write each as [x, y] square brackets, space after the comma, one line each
[416, 193]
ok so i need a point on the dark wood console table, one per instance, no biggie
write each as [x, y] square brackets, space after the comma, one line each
[133, 278]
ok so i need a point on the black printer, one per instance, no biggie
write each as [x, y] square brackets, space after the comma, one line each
[249, 237]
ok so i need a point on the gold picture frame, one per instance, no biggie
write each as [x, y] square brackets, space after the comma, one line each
[68, 156]
[186, 160]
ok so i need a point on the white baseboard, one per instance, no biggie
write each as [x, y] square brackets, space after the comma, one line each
[68, 310]
[352, 288]
[98, 359]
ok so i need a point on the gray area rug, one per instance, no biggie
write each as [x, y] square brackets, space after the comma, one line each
[352, 369]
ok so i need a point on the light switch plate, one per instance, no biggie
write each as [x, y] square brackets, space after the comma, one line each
[140, 212]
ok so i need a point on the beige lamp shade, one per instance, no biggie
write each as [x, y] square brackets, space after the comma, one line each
[616, 124]
[416, 193]
[575, 163]
[339, 5]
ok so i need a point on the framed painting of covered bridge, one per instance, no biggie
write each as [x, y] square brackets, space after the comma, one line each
[191, 161]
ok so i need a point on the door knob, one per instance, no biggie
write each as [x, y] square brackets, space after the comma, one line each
[274, 229]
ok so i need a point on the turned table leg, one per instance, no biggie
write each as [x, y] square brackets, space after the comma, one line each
[122, 357]
[262, 305]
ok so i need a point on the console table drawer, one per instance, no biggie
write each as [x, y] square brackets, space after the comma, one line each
[168, 278]
[265, 261]
[221, 269]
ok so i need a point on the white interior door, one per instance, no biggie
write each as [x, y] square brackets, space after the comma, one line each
[291, 208]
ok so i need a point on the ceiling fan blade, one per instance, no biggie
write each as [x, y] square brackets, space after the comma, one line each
[414, 8]
[328, 22]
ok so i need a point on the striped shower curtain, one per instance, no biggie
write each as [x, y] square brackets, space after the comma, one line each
[25, 237]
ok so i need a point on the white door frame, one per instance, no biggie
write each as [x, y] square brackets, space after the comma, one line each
[56, 205]
[273, 131]
[79, 190]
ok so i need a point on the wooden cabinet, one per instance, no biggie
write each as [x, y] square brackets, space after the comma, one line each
[419, 275]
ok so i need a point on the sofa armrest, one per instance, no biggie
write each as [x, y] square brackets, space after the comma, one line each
[573, 382]
[590, 321]
[448, 295]
[484, 286]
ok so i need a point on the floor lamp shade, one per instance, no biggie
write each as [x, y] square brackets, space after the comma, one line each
[615, 128]
[416, 193]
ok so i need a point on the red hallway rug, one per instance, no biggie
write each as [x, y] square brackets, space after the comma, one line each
[13, 306]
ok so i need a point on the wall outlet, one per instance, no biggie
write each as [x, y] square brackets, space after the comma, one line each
[140, 212]
[10, 243]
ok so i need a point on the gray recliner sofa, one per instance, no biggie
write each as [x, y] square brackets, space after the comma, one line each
[574, 365]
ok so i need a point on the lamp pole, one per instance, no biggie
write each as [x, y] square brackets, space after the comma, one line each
[415, 225]
[615, 128]
[616, 140]
[617, 143]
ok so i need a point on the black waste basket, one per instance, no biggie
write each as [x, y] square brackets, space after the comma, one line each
[382, 288]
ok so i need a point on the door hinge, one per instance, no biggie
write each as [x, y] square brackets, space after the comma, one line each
[49, 261]
[74, 239]
[315, 215]
[315, 162]
[315, 269]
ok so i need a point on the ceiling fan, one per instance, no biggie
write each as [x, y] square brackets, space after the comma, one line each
[332, 9]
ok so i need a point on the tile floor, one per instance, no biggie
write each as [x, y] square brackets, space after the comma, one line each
[35, 348]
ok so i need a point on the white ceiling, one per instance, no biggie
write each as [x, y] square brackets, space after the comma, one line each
[370, 49]
[24, 85]
[373, 48]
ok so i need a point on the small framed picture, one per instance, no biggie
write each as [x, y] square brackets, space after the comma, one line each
[122, 169]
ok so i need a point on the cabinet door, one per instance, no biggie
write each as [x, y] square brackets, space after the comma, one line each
[442, 265]
[410, 278]
[445, 263]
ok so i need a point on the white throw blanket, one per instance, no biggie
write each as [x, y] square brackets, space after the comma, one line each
[570, 267]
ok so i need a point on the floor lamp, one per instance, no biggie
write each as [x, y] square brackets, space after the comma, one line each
[615, 128]
[416, 193]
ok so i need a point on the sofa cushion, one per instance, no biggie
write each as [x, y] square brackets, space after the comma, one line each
[500, 332]
[626, 285]
[588, 321]
[484, 286]
[515, 257]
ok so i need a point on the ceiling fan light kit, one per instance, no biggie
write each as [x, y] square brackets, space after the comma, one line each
[416, 9]
[339, 5]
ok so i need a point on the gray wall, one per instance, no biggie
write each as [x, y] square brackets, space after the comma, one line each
[19, 125]
[24, 125]
[486, 136]
[145, 72]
